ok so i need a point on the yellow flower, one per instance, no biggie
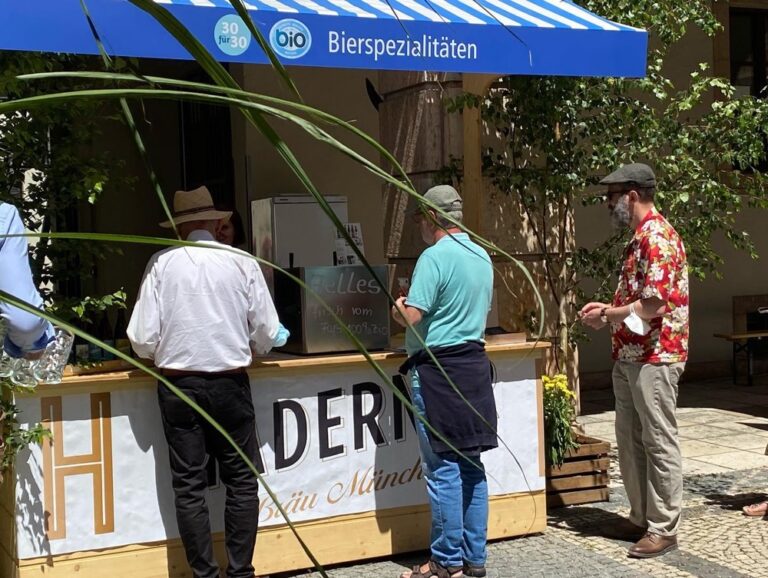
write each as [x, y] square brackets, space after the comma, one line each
[557, 384]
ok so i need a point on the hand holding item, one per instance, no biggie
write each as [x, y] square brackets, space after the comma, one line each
[593, 315]
[397, 308]
[591, 306]
[282, 337]
[44, 366]
[635, 323]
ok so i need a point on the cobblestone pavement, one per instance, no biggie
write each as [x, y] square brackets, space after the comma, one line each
[716, 540]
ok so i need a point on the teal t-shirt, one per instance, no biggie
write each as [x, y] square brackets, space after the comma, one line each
[452, 286]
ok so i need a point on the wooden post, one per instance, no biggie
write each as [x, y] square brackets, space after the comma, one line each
[473, 137]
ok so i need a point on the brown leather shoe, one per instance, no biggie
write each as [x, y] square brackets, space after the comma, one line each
[623, 529]
[652, 545]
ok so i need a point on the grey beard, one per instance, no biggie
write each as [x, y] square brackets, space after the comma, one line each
[620, 217]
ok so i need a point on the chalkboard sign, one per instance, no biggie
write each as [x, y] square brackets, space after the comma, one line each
[350, 292]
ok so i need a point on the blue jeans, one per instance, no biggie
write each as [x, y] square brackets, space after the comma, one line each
[458, 498]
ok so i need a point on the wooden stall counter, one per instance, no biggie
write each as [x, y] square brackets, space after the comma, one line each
[336, 447]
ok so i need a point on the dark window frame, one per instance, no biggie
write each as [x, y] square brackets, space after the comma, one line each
[758, 20]
[759, 24]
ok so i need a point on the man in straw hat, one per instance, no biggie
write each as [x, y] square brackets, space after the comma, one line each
[447, 304]
[648, 319]
[200, 314]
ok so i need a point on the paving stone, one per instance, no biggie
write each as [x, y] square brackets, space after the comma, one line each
[742, 441]
[695, 448]
[716, 541]
[696, 466]
[737, 459]
[707, 432]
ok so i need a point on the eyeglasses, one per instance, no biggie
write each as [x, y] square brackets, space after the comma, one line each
[609, 195]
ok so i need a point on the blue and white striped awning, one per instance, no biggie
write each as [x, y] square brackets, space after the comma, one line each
[542, 37]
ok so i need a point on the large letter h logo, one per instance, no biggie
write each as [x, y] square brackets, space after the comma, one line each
[98, 463]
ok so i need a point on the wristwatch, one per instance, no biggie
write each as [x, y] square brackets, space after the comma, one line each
[604, 315]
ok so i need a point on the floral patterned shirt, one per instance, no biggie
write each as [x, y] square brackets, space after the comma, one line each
[654, 266]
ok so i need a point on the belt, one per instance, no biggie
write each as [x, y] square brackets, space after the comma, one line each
[184, 372]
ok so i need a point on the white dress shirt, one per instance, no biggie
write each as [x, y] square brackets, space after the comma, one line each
[202, 309]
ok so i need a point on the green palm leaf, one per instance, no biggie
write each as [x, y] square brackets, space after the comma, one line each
[317, 133]
[256, 108]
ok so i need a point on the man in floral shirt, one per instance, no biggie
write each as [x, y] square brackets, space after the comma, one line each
[649, 326]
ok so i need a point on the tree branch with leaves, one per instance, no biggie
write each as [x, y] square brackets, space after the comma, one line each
[555, 137]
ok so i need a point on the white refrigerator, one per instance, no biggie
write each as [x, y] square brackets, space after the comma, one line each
[294, 231]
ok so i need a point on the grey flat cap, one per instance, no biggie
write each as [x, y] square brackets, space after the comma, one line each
[638, 173]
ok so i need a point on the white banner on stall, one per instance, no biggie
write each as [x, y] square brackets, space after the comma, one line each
[331, 443]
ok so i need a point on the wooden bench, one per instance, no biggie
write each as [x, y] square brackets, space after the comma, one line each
[746, 342]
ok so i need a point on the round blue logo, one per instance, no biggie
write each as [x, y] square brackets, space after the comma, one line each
[232, 35]
[290, 38]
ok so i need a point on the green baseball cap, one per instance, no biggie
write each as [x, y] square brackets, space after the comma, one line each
[445, 197]
[638, 173]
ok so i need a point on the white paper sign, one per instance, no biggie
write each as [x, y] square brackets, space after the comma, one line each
[345, 255]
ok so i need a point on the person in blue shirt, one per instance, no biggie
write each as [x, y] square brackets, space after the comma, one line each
[447, 305]
[26, 334]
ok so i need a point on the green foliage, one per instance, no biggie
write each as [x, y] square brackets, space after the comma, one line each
[252, 106]
[558, 416]
[86, 307]
[13, 439]
[557, 136]
[50, 168]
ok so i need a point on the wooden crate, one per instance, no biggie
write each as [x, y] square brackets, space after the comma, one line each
[583, 477]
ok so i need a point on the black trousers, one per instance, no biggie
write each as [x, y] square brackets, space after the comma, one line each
[227, 398]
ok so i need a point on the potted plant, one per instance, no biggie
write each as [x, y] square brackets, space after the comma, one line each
[559, 438]
[577, 465]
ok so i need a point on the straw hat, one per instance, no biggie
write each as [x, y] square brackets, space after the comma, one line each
[194, 205]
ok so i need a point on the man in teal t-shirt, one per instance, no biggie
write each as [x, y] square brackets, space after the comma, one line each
[447, 305]
[452, 285]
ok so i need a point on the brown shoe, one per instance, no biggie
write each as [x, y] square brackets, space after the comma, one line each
[623, 529]
[652, 545]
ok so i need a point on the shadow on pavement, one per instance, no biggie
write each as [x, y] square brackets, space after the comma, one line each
[735, 502]
[761, 426]
[585, 520]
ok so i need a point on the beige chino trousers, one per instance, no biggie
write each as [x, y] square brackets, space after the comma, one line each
[646, 437]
